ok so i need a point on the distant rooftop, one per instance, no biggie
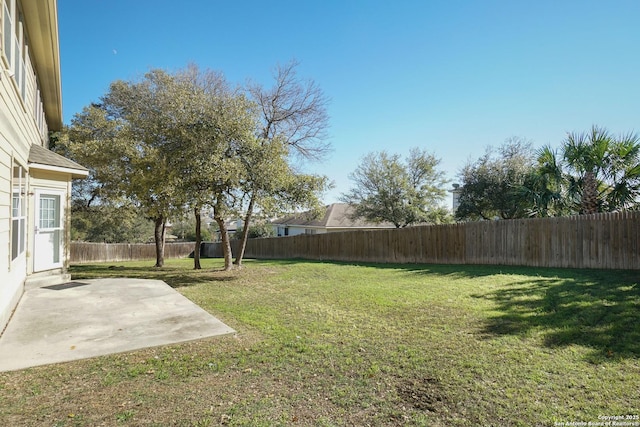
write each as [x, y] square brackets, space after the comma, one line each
[337, 215]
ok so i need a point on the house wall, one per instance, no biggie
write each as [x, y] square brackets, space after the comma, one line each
[22, 124]
[295, 230]
[12, 272]
[341, 230]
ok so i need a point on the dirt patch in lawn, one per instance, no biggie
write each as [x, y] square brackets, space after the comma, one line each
[424, 394]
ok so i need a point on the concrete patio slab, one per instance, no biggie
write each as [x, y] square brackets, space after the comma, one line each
[88, 318]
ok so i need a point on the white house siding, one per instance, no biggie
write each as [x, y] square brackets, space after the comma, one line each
[22, 125]
[12, 273]
[17, 133]
[294, 231]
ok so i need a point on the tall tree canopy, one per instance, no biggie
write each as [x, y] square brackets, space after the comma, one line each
[293, 110]
[121, 139]
[387, 189]
[165, 142]
[491, 185]
[187, 140]
[215, 128]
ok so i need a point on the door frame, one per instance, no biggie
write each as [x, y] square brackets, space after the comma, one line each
[38, 265]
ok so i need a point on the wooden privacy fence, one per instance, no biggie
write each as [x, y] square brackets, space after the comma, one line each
[82, 252]
[604, 241]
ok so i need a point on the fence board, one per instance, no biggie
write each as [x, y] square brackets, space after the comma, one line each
[83, 252]
[604, 241]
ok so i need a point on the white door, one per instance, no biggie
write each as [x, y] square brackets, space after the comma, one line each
[48, 241]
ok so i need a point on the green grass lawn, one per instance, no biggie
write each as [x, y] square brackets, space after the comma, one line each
[332, 344]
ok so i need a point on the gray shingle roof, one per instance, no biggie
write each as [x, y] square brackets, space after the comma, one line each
[337, 215]
[42, 156]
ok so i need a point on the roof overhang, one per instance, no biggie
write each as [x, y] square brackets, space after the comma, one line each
[41, 20]
[46, 160]
[75, 173]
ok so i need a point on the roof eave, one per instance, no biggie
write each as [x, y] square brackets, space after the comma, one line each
[75, 173]
[41, 19]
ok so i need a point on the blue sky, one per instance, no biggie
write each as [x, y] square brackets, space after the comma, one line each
[451, 76]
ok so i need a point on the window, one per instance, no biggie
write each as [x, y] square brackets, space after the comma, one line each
[7, 26]
[49, 217]
[18, 63]
[15, 56]
[23, 74]
[49, 223]
[18, 211]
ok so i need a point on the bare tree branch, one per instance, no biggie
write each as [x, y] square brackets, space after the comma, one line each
[294, 110]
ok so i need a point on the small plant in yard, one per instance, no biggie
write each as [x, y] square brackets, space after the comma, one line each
[124, 416]
[331, 344]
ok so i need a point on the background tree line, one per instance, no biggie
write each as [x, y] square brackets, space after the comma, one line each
[591, 172]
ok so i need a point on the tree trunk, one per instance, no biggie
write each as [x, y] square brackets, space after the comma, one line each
[196, 249]
[245, 232]
[159, 237]
[589, 202]
[226, 244]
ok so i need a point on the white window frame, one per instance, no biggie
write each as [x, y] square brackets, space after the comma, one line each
[18, 211]
[7, 31]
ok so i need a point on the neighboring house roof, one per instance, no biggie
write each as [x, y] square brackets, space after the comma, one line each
[41, 158]
[337, 215]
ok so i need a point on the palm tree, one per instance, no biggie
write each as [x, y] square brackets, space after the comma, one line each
[624, 173]
[604, 171]
[544, 189]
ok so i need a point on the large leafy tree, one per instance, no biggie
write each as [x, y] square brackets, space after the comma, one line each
[213, 128]
[387, 189]
[169, 142]
[219, 154]
[492, 185]
[98, 213]
[122, 139]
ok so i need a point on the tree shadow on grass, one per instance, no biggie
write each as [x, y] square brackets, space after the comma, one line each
[596, 309]
[462, 271]
[174, 277]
